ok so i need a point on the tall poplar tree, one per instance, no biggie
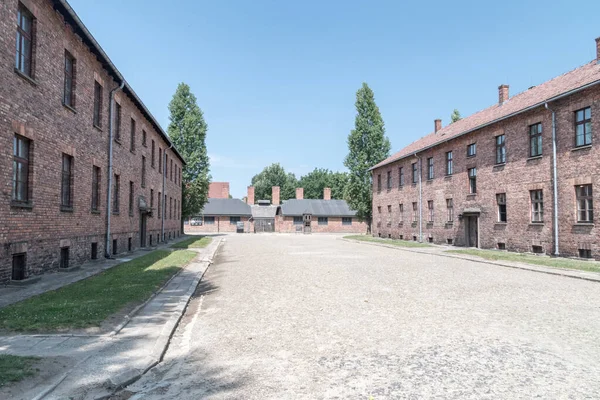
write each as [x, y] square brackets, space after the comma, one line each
[367, 145]
[187, 131]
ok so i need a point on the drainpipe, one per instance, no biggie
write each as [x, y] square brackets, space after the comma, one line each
[420, 201]
[111, 111]
[164, 199]
[554, 181]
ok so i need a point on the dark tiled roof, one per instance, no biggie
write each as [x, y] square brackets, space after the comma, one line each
[226, 207]
[535, 97]
[320, 208]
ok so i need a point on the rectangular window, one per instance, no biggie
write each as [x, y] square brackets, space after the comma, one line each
[115, 246]
[389, 180]
[401, 212]
[472, 150]
[24, 55]
[152, 155]
[501, 201]
[415, 212]
[159, 200]
[64, 257]
[450, 210]
[472, 180]
[116, 194]
[151, 199]
[415, 176]
[585, 253]
[66, 197]
[20, 187]
[69, 94]
[159, 160]
[143, 171]
[95, 188]
[209, 220]
[585, 203]
[430, 168]
[346, 221]
[170, 208]
[97, 104]
[166, 164]
[449, 163]
[234, 220]
[297, 220]
[379, 209]
[537, 205]
[430, 208]
[535, 140]
[117, 122]
[131, 199]
[165, 206]
[132, 139]
[378, 183]
[389, 208]
[323, 221]
[19, 267]
[144, 138]
[500, 149]
[171, 170]
[401, 177]
[583, 127]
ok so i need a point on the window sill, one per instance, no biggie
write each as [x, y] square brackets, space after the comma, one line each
[498, 167]
[132, 151]
[26, 77]
[17, 204]
[388, 189]
[473, 156]
[97, 212]
[584, 147]
[536, 223]
[400, 187]
[448, 176]
[471, 195]
[70, 108]
[584, 224]
[116, 213]
[500, 223]
[98, 128]
[66, 209]
[534, 158]
[118, 141]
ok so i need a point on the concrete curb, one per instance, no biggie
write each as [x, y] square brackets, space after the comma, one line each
[566, 273]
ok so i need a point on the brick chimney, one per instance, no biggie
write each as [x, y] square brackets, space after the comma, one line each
[327, 194]
[598, 50]
[299, 193]
[502, 94]
[275, 195]
[438, 125]
[250, 199]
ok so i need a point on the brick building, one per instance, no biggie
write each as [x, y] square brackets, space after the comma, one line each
[57, 178]
[492, 180]
[218, 190]
[220, 215]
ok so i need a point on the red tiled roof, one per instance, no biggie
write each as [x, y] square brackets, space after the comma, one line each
[534, 97]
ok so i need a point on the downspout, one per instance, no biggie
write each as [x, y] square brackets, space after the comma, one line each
[164, 173]
[111, 111]
[420, 201]
[554, 181]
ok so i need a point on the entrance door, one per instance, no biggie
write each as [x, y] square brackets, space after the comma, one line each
[472, 233]
[143, 218]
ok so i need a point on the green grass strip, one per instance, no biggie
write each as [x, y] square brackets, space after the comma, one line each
[15, 368]
[393, 242]
[196, 242]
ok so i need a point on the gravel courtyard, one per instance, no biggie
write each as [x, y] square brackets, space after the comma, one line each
[316, 317]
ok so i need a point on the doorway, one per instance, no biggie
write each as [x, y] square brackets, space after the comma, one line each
[472, 231]
[143, 224]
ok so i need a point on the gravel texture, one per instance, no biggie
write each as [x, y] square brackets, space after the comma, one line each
[296, 317]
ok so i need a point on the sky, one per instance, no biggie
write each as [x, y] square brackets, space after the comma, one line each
[277, 80]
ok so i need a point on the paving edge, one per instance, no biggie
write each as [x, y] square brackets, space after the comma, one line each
[534, 268]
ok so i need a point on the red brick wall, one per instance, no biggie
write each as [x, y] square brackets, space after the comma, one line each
[334, 225]
[218, 190]
[516, 178]
[35, 110]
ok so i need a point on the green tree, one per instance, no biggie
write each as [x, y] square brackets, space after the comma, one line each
[368, 146]
[187, 131]
[315, 181]
[455, 116]
[337, 183]
[274, 175]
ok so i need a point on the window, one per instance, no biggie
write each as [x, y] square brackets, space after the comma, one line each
[158, 199]
[472, 180]
[95, 188]
[115, 246]
[117, 122]
[537, 205]
[24, 56]
[69, 94]
[129, 244]
[430, 168]
[389, 208]
[20, 188]
[19, 267]
[97, 104]
[472, 150]
[116, 194]
[132, 139]
[379, 209]
[585, 253]
[346, 221]
[378, 183]
[500, 150]
[143, 171]
[449, 164]
[159, 160]
[64, 257]
[430, 208]
[130, 199]
[66, 197]
[389, 180]
[234, 220]
[151, 199]
[583, 127]
[166, 165]
[401, 209]
[152, 155]
[585, 203]
[401, 177]
[535, 140]
[322, 220]
[415, 212]
[501, 201]
[415, 176]
[170, 208]
[171, 170]
[209, 220]
[297, 220]
[165, 206]
[144, 138]
[450, 210]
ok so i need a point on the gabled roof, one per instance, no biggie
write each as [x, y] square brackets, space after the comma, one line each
[264, 211]
[226, 207]
[573, 81]
[319, 208]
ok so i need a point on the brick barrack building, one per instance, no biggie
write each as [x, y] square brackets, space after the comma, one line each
[57, 178]
[521, 175]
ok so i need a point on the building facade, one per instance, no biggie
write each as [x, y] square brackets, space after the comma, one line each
[492, 180]
[59, 170]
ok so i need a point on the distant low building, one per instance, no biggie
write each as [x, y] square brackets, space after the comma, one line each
[220, 215]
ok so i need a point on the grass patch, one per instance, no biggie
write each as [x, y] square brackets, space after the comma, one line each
[89, 302]
[399, 243]
[15, 368]
[197, 242]
[531, 259]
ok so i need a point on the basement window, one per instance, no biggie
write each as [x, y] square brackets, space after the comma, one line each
[449, 241]
[501, 246]
[94, 251]
[64, 257]
[585, 253]
[389, 235]
[18, 267]
[537, 249]
[129, 244]
[401, 237]
[114, 246]
[430, 240]
[414, 238]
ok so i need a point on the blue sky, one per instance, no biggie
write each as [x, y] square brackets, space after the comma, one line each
[277, 79]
